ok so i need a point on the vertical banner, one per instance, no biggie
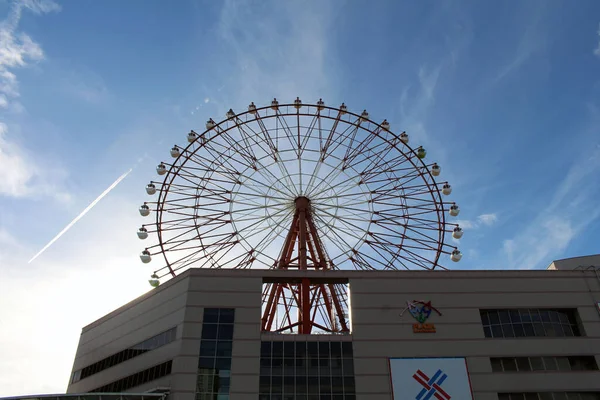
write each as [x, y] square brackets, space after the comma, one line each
[430, 379]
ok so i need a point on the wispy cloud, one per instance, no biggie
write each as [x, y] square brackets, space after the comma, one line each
[487, 219]
[533, 40]
[568, 212]
[24, 175]
[17, 49]
[279, 50]
[481, 220]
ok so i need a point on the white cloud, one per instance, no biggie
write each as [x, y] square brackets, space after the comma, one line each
[568, 212]
[24, 175]
[18, 49]
[487, 219]
[483, 219]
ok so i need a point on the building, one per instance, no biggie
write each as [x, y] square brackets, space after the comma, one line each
[518, 334]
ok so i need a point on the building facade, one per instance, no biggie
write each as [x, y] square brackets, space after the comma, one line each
[486, 335]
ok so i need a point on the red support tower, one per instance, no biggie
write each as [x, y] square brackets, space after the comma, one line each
[305, 296]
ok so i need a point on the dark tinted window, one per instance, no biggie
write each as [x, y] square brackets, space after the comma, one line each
[508, 323]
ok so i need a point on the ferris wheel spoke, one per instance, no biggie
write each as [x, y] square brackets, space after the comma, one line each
[287, 131]
[229, 197]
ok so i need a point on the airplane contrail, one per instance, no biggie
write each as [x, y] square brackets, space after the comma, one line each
[77, 218]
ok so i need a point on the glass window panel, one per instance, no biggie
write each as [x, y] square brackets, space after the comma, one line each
[288, 384]
[497, 331]
[224, 374]
[550, 364]
[348, 366]
[493, 316]
[349, 384]
[509, 364]
[508, 331]
[223, 363]
[265, 349]
[276, 385]
[531, 396]
[563, 363]
[301, 366]
[536, 363]
[487, 331]
[289, 349]
[226, 315]
[573, 396]
[300, 349]
[525, 316]
[336, 349]
[313, 385]
[545, 314]
[336, 367]
[546, 396]
[278, 349]
[277, 366]
[288, 366]
[301, 384]
[504, 316]
[485, 319]
[519, 330]
[560, 396]
[347, 349]
[539, 329]
[324, 350]
[557, 329]
[517, 396]
[565, 317]
[496, 364]
[529, 331]
[209, 331]
[503, 396]
[515, 317]
[224, 348]
[589, 363]
[337, 385]
[523, 364]
[225, 332]
[208, 348]
[206, 362]
[567, 330]
[535, 315]
[325, 385]
[222, 397]
[549, 329]
[211, 315]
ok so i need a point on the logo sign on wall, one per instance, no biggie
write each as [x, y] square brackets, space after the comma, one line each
[430, 379]
[421, 310]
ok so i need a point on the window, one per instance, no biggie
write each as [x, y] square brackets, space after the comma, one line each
[149, 344]
[559, 363]
[529, 322]
[550, 396]
[214, 363]
[306, 370]
[147, 375]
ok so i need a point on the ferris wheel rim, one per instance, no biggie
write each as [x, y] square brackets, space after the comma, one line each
[218, 130]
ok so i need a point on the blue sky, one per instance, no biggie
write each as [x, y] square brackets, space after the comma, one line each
[504, 95]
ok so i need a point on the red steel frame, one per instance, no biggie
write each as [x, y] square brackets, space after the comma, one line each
[306, 296]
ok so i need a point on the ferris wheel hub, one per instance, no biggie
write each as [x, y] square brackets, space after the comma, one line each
[302, 203]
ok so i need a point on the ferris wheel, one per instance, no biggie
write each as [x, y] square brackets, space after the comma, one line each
[294, 187]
